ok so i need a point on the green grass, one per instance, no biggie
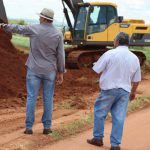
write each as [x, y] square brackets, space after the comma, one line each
[146, 51]
[20, 41]
[16, 21]
[139, 103]
[23, 41]
[74, 127]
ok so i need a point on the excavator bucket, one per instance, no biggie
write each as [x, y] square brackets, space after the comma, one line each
[3, 17]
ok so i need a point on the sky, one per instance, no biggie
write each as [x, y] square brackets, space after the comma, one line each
[27, 9]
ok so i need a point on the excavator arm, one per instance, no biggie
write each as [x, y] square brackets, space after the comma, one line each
[73, 6]
[3, 17]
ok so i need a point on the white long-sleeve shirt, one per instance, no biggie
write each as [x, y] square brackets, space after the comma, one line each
[119, 68]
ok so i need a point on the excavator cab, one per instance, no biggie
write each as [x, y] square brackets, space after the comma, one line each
[92, 23]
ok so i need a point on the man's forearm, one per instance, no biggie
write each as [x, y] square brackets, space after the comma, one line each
[9, 28]
[14, 28]
[61, 61]
[134, 87]
[133, 90]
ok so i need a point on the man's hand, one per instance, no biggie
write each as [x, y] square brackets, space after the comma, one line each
[132, 96]
[1, 25]
[59, 78]
[133, 90]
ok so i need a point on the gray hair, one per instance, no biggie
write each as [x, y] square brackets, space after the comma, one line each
[122, 38]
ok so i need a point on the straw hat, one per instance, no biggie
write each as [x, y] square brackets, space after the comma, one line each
[47, 14]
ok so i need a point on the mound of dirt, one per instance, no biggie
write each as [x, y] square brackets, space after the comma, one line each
[12, 69]
[77, 83]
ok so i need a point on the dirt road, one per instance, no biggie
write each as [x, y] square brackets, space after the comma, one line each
[12, 117]
[74, 98]
[136, 136]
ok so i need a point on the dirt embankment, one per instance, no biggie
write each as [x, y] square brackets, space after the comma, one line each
[12, 69]
[12, 79]
[75, 93]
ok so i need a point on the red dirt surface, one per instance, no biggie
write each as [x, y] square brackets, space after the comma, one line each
[12, 80]
[12, 69]
[78, 91]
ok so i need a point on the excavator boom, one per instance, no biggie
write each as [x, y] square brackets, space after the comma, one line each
[73, 6]
[3, 17]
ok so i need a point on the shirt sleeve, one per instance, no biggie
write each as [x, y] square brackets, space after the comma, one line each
[137, 74]
[101, 64]
[20, 29]
[61, 55]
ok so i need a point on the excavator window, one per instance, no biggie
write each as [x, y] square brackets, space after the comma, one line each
[97, 19]
[100, 17]
[80, 23]
[112, 15]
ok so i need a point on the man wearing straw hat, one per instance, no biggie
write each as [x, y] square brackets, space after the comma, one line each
[45, 65]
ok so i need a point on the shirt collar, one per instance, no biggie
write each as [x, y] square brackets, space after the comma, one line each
[47, 23]
[123, 47]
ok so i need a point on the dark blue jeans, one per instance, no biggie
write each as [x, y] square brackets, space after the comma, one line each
[33, 82]
[115, 101]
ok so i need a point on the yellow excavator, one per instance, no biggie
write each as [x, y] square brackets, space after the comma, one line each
[94, 28]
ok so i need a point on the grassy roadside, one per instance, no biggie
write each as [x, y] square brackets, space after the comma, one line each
[23, 41]
[77, 126]
[86, 121]
[146, 51]
[20, 41]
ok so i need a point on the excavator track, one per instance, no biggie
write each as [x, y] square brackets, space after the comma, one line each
[83, 58]
[77, 59]
[141, 56]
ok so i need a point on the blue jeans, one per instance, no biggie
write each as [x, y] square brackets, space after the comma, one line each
[33, 82]
[115, 101]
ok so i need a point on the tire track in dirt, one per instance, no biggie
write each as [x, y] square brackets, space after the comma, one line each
[17, 137]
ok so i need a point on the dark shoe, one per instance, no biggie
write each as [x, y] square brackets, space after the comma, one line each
[115, 148]
[28, 131]
[96, 142]
[47, 131]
